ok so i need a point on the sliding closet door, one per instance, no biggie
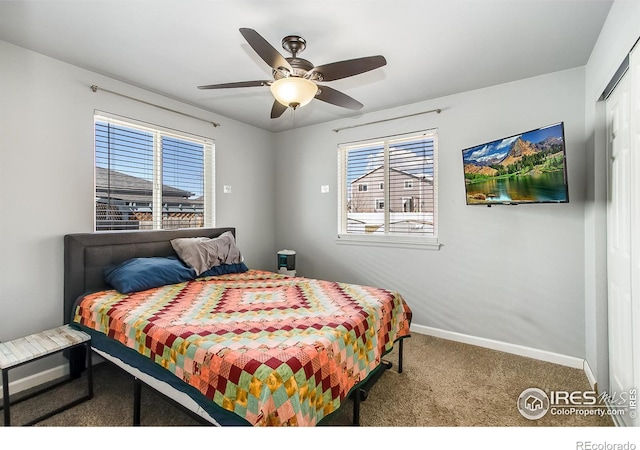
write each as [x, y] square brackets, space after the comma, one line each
[634, 74]
[622, 235]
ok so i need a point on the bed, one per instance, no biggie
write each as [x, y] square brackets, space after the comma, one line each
[231, 345]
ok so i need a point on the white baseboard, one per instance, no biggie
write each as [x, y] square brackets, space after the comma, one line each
[590, 376]
[542, 355]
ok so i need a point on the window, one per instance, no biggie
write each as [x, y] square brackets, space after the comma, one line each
[149, 178]
[404, 167]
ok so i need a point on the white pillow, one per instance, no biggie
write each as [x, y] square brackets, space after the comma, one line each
[202, 253]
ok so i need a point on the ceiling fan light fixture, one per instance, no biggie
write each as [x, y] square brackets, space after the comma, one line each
[294, 91]
[295, 78]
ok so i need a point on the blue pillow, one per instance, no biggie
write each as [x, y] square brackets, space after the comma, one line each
[223, 269]
[139, 274]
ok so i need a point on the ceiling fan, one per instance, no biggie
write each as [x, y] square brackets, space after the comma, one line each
[295, 80]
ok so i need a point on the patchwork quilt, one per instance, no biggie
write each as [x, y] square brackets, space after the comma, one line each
[275, 350]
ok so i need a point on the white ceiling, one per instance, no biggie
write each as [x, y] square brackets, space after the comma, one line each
[433, 48]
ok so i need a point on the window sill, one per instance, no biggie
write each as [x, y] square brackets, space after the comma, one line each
[389, 241]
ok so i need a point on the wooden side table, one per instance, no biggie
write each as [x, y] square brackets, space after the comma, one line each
[33, 347]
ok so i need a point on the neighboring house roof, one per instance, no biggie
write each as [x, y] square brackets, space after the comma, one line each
[121, 182]
[423, 177]
[132, 189]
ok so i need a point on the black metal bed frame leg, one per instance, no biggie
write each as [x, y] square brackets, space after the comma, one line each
[137, 389]
[362, 392]
[77, 360]
[400, 352]
[359, 395]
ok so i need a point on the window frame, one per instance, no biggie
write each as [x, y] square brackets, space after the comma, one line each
[159, 133]
[390, 239]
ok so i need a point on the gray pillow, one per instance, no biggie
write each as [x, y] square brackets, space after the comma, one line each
[202, 253]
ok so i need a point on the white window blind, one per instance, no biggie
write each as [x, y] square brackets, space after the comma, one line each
[150, 178]
[404, 168]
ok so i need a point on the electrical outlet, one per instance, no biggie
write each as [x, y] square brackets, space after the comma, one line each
[227, 189]
[324, 188]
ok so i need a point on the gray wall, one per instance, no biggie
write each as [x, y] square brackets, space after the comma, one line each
[507, 273]
[46, 177]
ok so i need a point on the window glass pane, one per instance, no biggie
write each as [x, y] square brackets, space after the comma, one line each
[149, 178]
[364, 168]
[182, 184]
[389, 187]
[124, 176]
[411, 186]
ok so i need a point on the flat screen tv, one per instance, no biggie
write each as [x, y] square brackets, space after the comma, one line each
[529, 167]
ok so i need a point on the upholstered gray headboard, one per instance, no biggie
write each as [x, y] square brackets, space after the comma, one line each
[87, 254]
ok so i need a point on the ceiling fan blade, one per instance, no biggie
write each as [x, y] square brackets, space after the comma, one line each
[330, 95]
[237, 84]
[350, 67]
[265, 50]
[277, 109]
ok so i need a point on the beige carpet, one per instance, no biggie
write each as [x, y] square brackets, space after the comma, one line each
[444, 384]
